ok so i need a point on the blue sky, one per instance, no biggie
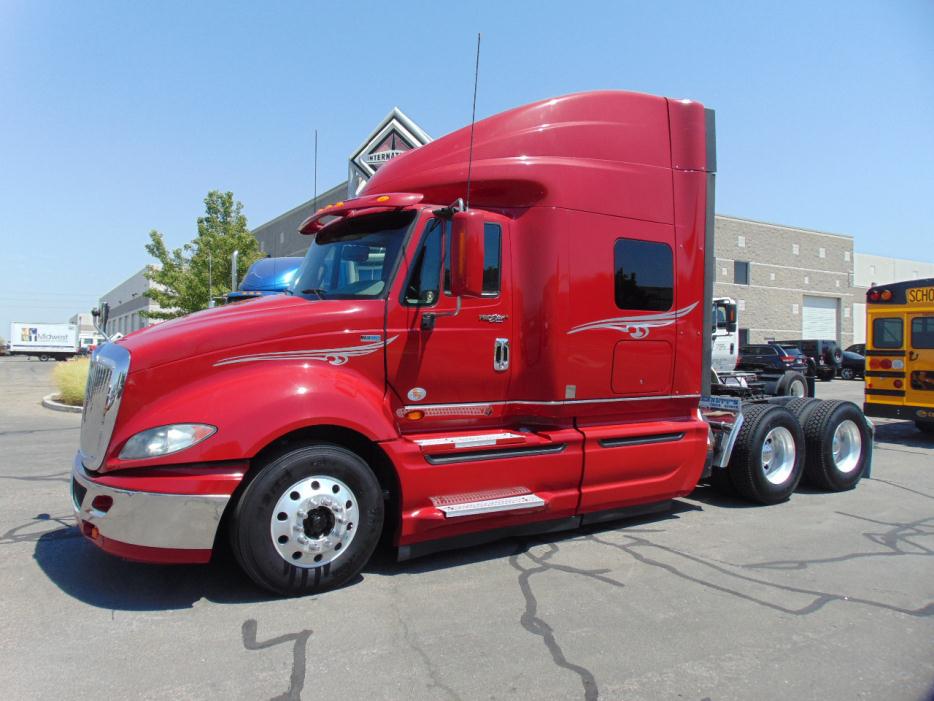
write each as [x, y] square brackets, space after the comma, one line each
[117, 118]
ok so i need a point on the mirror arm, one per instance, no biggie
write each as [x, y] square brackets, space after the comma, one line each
[428, 318]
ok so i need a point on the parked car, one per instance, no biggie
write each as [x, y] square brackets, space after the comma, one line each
[825, 354]
[769, 356]
[852, 366]
[856, 348]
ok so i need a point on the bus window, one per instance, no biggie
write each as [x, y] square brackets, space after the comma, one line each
[922, 332]
[887, 332]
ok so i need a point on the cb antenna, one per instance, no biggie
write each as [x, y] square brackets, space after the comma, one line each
[314, 202]
[473, 119]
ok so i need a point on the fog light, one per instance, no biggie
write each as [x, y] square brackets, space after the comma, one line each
[414, 415]
[102, 503]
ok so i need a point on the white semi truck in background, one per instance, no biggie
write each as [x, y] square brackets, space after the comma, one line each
[724, 354]
[44, 341]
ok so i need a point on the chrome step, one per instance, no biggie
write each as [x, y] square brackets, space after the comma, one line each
[488, 506]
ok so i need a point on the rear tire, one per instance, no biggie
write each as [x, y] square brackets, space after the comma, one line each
[768, 458]
[309, 521]
[792, 384]
[847, 374]
[838, 442]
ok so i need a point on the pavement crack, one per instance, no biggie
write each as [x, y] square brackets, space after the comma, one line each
[901, 486]
[55, 477]
[412, 642]
[536, 625]
[820, 598]
[299, 651]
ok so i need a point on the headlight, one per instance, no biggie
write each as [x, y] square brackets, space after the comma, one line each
[163, 440]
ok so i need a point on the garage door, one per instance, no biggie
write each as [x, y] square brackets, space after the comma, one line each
[820, 317]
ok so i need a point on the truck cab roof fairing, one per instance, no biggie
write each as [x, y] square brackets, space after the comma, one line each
[607, 152]
[352, 207]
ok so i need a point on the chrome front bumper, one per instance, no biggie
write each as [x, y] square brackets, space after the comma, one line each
[147, 519]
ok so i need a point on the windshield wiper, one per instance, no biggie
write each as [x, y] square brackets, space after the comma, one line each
[319, 293]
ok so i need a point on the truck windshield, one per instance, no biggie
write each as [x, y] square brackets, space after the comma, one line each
[353, 258]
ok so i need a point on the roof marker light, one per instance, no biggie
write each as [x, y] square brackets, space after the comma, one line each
[886, 295]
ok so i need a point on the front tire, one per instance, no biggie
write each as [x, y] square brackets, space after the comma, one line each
[847, 373]
[309, 521]
[838, 442]
[768, 458]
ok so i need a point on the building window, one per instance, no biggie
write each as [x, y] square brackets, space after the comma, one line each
[807, 279]
[837, 283]
[887, 332]
[644, 275]
[744, 337]
[794, 308]
[723, 270]
[771, 276]
[795, 248]
[822, 252]
[741, 272]
[281, 237]
[846, 256]
[846, 312]
[741, 305]
[741, 241]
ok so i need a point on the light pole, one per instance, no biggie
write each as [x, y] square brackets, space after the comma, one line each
[210, 282]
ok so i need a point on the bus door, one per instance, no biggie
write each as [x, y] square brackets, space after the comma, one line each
[919, 365]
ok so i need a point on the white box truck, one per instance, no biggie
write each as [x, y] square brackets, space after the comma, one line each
[44, 341]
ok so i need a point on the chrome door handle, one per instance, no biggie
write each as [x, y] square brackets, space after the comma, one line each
[501, 354]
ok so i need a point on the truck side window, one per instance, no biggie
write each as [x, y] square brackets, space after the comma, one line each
[887, 332]
[492, 255]
[422, 287]
[492, 258]
[644, 275]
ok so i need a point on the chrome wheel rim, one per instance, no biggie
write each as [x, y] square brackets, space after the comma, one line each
[798, 389]
[847, 446]
[314, 521]
[846, 374]
[778, 455]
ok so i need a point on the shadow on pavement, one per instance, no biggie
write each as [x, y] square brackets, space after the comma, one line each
[902, 433]
[384, 563]
[92, 576]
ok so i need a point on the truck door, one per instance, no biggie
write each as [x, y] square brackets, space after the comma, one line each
[437, 354]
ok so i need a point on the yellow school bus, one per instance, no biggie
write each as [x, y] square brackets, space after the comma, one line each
[900, 352]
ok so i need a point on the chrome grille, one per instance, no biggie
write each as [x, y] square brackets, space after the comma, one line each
[106, 377]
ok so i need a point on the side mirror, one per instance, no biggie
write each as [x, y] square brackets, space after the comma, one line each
[101, 315]
[725, 316]
[467, 254]
[731, 318]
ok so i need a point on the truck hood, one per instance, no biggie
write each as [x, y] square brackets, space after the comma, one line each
[272, 323]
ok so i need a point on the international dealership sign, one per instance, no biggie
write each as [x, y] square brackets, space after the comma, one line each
[395, 135]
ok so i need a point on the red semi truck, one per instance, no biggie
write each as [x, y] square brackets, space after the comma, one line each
[508, 332]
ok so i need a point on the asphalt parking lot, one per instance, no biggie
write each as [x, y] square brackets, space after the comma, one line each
[827, 596]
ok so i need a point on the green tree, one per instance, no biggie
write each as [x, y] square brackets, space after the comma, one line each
[183, 273]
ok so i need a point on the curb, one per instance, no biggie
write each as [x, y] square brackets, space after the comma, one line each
[49, 402]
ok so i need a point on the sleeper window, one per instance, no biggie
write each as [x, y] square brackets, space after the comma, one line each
[644, 275]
